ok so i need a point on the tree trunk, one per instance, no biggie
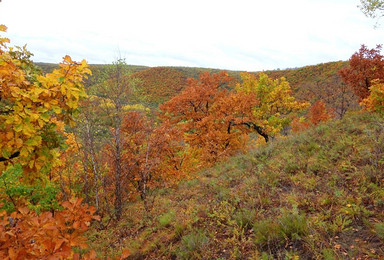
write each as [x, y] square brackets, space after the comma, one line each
[118, 197]
[117, 122]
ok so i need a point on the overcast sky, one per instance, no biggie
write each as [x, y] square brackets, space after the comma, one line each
[250, 35]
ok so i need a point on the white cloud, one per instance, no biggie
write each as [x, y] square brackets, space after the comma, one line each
[242, 34]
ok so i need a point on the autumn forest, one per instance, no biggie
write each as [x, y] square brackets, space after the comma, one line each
[132, 162]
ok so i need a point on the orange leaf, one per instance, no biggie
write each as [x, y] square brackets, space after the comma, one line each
[125, 253]
[76, 225]
[58, 244]
[92, 254]
[24, 210]
[96, 218]
[76, 256]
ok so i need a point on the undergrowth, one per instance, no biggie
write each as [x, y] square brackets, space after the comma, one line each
[316, 195]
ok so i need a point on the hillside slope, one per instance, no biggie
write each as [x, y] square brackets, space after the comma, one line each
[159, 84]
[320, 82]
[317, 195]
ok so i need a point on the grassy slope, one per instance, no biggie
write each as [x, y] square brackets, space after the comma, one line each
[317, 195]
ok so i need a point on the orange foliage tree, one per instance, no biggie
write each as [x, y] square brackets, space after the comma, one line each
[216, 121]
[317, 113]
[153, 156]
[26, 235]
[364, 66]
[194, 112]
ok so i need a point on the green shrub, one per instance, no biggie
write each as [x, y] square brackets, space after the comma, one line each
[192, 245]
[180, 229]
[339, 224]
[266, 232]
[245, 218]
[379, 229]
[328, 254]
[167, 218]
[293, 225]
[41, 196]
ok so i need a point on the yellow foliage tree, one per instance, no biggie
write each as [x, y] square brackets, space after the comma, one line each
[275, 103]
[31, 106]
[375, 101]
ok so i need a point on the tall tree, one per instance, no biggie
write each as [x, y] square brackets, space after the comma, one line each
[116, 90]
[91, 138]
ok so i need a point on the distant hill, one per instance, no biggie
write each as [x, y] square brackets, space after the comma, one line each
[159, 84]
[320, 82]
[312, 73]
[48, 67]
[309, 83]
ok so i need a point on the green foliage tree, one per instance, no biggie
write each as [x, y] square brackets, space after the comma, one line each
[372, 8]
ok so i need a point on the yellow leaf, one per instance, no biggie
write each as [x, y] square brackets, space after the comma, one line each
[19, 142]
[68, 59]
[3, 28]
[56, 109]
[24, 152]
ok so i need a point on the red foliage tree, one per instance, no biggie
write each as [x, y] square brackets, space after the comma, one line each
[364, 66]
